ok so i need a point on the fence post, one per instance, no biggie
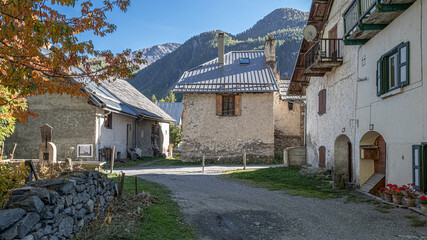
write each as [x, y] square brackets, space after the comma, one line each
[136, 185]
[13, 153]
[244, 159]
[285, 158]
[112, 158]
[121, 183]
[203, 163]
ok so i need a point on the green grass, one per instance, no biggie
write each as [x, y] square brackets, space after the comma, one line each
[156, 162]
[161, 220]
[289, 180]
[416, 221]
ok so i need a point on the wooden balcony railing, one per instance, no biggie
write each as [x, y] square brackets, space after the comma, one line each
[327, 50]
[357, 10]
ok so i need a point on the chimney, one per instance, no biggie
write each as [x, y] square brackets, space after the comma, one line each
[221, 48]
[270, 53]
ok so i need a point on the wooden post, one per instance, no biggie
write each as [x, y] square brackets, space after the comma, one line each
[136, 185]
[286, 158]
[121, 183]
[13, 152]
[203, 163]
[244, 159]
[112, 158]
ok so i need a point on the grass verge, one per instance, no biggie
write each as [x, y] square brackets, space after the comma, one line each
[289, 180]
[155, 162]
[416, 221]
[159, 219]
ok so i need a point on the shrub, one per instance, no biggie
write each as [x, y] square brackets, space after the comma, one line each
[12, 176]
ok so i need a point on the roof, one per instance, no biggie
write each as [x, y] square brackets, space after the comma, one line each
[136, 100]
[173, 109]
[283, 90]
[256, 76]
[319, 14]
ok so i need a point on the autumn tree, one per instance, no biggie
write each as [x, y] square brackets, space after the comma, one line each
[40, 50]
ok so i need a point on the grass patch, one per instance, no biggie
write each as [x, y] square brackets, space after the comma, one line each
[158, 220]
[156, 162]
[172, 162]
[291, 181]
[416, 221]
[354, 198]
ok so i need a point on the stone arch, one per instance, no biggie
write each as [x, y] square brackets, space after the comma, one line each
[372, 157]
[343, 163]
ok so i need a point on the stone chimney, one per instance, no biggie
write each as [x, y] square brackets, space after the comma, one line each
[221, 48]
[270, 53]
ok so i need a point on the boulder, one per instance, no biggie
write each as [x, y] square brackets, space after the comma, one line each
[66, 227]
[64, 188]
[10, 216]
[26, 224]
[30, 204]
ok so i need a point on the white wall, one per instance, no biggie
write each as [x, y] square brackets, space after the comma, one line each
[164, 128]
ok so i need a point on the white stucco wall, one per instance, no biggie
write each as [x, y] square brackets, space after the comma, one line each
[164, 127]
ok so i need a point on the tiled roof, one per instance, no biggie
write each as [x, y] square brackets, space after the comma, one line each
[256, 76]
[173, 109]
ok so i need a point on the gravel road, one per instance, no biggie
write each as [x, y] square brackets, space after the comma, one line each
[220, 208]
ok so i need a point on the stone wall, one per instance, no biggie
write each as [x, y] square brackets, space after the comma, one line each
[56, 209]
[73, 121]
[225, 137]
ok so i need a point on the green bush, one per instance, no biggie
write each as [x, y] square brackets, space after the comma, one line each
[12, 176]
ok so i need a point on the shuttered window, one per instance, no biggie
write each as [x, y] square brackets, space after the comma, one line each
[108, 120]
[228, 105]
[393, 69]
[419, 167]
[322, 156]
[322, 102]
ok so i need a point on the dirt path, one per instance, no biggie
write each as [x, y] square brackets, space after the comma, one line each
[219, 208]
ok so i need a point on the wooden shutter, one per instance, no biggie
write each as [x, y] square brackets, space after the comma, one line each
[416, 166]
[237, 106]
[219, 105]
[322, 102]
[322, 156]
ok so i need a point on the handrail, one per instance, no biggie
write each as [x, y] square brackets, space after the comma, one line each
[326, 49]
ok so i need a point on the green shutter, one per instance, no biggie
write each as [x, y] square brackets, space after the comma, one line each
[384, 75]
[403, 64]
[416, 169]
[378, 78]
[423, 164]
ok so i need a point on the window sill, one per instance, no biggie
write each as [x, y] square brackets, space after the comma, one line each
[392, 93]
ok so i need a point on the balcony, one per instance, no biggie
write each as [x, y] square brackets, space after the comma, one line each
[323, 56]
[363, 19]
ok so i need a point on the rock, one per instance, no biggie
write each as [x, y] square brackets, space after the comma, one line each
[10, 216]
[80, 188]
[47, 230]
[58, 220]
[68, 200]
[90, 205]
[54, 196]
[10, 233]
[66, 211]
[26, 224]
[84, 197]
[29, 237]
[49, 212]
[44, 238]
[66, 227]
[31, 204]
[64, 188]
[79, 206]
[81, 223]
[53, 238]
[81, 213]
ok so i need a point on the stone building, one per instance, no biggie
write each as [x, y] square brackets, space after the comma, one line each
[363, 79]
[229, 106]
[114, 114]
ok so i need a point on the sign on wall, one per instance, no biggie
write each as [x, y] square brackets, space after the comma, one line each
[84, 150]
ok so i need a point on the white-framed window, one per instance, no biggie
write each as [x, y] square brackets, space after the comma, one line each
[393, 69]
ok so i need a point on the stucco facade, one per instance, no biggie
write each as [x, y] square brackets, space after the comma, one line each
[225, 137]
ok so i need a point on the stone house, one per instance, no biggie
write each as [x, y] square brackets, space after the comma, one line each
[229, 106]
[86, 128]
[363, 79]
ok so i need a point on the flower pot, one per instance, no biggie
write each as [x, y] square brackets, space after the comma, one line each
[410, 202]
[387, 197]
[397, 199]
[423, 208]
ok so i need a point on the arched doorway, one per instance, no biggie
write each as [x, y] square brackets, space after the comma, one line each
[343, 163]
[372, 162]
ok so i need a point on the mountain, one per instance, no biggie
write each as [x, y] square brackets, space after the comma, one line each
[283, 24]
[154, 53]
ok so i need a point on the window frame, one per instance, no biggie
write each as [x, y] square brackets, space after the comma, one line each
[383, 80]
[108, 120]
[230, 111]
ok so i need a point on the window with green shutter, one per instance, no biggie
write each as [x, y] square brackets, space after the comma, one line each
[419, 166]
[393, 69]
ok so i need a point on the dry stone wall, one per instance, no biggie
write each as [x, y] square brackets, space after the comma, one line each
[56, 209]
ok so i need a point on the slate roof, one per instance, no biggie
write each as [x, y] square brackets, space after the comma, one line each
[283, 91]
[256, 76]
[136, 100]
[173, 109]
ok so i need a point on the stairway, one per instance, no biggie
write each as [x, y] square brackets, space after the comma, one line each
[373, 184]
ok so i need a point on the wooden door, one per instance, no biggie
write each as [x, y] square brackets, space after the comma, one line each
[322, 156]
[380, 165]
[350, 163]
[129, 134]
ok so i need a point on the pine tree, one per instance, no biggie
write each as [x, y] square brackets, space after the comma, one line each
[154, 99]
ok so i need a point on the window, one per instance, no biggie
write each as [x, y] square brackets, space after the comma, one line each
[244, 61]
[290, 106]
[322, 156]
[392, 69]
[419, 166]
[228, 105]
[322, 102]
[108, 120]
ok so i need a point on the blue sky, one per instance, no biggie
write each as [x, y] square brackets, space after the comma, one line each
[152, 22]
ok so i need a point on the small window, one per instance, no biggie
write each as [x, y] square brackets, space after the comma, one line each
[322, 102]
[244, 61]
[228, 105]
[322, 156]
[108, 120]
[392, 69]
[290, 106]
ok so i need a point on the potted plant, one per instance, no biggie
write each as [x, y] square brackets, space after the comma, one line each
[387, 193]
[381, 192]
[423, 204]
[397, 194]
[410, 194]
